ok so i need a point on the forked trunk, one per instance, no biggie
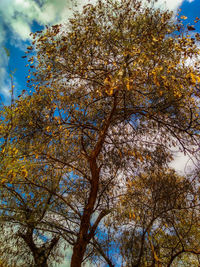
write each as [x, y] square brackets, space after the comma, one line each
[40, 261]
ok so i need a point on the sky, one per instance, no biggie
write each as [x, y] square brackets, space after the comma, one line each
[18, 18]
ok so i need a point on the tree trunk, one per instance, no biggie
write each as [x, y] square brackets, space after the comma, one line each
[40, 261]
[78, 254]
[84, 237]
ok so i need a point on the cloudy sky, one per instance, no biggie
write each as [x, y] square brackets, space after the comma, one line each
[20, 17]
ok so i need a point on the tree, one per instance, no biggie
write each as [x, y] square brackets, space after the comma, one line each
[107, 91]
[160, 218]
[27, 235]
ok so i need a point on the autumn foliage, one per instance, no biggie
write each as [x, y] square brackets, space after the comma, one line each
[109, 94]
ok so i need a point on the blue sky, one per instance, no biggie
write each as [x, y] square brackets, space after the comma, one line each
[19, 17]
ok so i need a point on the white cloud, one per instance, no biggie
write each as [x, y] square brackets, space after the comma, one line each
[5, 91]
[23, 3]
[170, 4]
[21, 29]
[182, 163]
[4, 77]
[2, 69]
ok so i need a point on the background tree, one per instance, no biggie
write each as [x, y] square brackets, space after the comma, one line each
[160, 218]
[108, 90]
[27, 235]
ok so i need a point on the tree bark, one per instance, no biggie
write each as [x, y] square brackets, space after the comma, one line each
[40, 260]
[84, 237]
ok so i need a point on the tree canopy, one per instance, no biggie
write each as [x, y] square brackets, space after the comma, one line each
[109, 94]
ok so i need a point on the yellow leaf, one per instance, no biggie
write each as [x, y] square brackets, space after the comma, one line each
[183, 17]
[141, 158]
[107, 81]
[10, 172]
[128, 86]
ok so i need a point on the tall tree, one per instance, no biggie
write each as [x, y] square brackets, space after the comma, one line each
[106, 91]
